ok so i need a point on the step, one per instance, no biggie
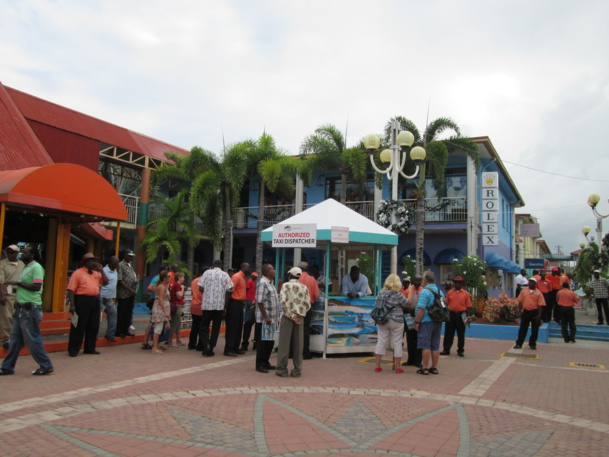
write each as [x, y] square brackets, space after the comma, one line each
[55, 323]
[584, 332]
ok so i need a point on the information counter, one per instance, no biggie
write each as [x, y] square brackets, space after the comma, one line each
[342, 325]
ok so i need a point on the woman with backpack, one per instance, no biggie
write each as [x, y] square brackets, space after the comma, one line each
[391, 305]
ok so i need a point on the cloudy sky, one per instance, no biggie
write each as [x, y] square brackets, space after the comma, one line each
[531, 75]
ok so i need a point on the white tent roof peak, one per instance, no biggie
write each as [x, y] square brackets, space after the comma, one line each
[331, 213]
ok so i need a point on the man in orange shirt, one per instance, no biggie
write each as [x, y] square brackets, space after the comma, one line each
[566, 300]
[551, 308]
[543, 285]
[531, 305]
[83, 294]
[234, 312]
[311, 283]
[459, 302]
[195, 341]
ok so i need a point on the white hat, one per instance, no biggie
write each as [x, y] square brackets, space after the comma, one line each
[295, 271]
[533, 279]
[595, 271]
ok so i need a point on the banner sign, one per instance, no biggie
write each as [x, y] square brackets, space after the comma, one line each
[530, 230]
[294, 236]
[537, 264]
[339, 234]
[490, 209]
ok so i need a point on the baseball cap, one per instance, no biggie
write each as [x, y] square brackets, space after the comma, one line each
[86, 257]
[254, 274]
[128, 252]
[406, 278]
[303, 265]
[555, 269]
[533, 279]
[13, 247]
[595, 271]
[458, 279]
[295, 272]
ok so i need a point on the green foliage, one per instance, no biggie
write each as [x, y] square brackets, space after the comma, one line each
[472, 269]
[591, 258]
[410, 266]
[171, 229]
[326, 150]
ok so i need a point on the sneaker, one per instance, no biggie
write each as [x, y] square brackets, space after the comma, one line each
[533, 347]
[518, 346]
[132, 328]
[4, 372]
[42, 372]
[111, 339]
[445, 352]
[460, 354]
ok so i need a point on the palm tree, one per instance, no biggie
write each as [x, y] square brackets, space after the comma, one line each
[167, 232]
[215, 184]
[437, 156]
[276, 171]
[216, 190]
[326, 150]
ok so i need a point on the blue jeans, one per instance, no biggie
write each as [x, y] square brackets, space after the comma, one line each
[26, 332]
[109, 307]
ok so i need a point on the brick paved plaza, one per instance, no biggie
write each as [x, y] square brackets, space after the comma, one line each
[129, 402]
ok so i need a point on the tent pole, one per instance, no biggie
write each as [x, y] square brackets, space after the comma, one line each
[327, 278]
[277, 267]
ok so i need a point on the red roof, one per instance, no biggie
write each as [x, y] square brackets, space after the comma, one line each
[19, 146]
[45, 112]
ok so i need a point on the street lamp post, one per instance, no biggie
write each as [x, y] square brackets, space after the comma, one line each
[396, 159]
[593, 200]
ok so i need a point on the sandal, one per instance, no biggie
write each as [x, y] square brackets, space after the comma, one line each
[423, 371]
[433, 370]
[157, 351]
[146, 346]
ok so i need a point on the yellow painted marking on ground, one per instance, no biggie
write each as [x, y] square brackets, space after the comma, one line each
[520, 356]
[373, 360]
[587, 365]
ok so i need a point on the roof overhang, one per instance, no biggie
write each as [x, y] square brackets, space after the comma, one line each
[64, 189]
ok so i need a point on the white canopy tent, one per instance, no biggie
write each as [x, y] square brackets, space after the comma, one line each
[363, 233]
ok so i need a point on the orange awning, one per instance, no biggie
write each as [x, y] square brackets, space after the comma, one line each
[62, 188]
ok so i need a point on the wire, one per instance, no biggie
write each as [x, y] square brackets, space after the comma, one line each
[555, 174]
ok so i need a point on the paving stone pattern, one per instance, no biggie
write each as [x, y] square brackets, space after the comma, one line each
[130, 403]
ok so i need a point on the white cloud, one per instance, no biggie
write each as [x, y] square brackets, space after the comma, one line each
[530, 75]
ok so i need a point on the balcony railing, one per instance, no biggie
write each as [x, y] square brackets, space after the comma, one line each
[247, 217]
[132, 204]
[447, 209]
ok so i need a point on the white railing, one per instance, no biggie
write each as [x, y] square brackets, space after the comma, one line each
[132, 204]
[447, 209]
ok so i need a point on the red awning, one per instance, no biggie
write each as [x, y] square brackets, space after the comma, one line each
[62, 188]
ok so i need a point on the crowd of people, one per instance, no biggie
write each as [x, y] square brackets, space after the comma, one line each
[245, 301]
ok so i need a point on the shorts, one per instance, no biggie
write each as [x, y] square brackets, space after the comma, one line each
[429, 335]
[158, 327]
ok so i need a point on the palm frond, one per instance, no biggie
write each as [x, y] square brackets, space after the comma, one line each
[405, 124]
[438, 126]
[461, 144]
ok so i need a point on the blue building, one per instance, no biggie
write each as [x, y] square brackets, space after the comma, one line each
[475, 217]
